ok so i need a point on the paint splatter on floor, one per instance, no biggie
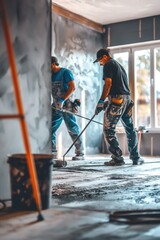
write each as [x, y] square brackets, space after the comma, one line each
[90, 184]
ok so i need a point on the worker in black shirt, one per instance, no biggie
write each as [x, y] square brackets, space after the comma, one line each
[119, 107]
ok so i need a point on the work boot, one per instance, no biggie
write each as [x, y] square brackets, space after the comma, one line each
[118, 161]
[78, 157]
[138, 161]
[114, 163]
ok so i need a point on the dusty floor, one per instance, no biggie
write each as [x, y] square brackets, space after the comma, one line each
[72, 224]
[85, 195]
[90, 184]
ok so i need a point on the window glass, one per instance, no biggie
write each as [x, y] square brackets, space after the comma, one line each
[142, 87]
[157, 84]
[122, 58]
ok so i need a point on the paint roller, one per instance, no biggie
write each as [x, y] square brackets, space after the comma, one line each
[63, 163]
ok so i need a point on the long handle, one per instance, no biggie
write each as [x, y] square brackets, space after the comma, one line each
[78, 137]
[30, 162]
[78, 115]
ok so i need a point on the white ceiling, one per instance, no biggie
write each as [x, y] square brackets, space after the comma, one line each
[111, 11]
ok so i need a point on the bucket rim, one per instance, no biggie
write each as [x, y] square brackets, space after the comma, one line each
[35, 155]
[23, 157]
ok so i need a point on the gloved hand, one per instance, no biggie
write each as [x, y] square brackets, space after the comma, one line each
[99, 107]
[60, 103]
[75, 105]
[105, 105]
[75, 109]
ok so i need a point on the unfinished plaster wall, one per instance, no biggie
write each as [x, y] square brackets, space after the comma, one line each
[30, 24]
[75, 47]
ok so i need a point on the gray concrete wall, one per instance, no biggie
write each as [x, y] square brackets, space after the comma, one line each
[76, 47]
[30, 24]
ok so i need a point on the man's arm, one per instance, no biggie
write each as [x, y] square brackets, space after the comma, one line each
[106, 88]
[105, 93]
[71, 89]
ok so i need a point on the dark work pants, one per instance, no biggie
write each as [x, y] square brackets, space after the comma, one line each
[113, 114]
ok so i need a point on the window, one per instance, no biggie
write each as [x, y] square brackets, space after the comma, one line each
[157, 85]
[142, 65]
[122, 58]
[142, 87]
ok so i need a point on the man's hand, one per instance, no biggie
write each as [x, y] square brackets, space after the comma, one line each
[105, 105]
[60, 103]
[99, 107]
[75, 105]
[75, 109]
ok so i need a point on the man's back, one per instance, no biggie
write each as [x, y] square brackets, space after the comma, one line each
[120, 86]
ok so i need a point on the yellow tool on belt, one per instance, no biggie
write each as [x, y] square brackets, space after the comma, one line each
[117, 101]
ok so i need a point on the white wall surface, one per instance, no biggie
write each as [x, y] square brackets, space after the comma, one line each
[75, 46]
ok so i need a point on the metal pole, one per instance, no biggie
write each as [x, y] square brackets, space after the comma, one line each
[77, 138]
[78, 115]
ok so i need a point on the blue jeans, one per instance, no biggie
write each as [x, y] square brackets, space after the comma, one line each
[113, 114]
[72, 127]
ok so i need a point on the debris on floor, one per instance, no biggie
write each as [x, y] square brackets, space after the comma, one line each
[91, 184]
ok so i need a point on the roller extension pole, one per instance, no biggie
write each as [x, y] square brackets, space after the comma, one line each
[30, 160]
[78, 115]
[77, 138]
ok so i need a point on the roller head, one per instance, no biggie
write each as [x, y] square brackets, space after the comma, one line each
[59, 163]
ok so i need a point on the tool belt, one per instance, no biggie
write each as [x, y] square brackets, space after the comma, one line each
[68, 105]
[117, 101]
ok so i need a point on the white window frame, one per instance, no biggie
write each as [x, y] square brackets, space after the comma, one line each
[131, 49]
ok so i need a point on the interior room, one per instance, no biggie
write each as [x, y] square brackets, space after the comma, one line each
[69, 192]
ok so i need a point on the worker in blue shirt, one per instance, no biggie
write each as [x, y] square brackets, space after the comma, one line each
[62, 88]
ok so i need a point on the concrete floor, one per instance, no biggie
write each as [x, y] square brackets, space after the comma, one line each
[90, 184]
[84, 195]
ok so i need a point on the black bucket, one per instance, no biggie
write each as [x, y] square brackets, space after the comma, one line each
[21, 187]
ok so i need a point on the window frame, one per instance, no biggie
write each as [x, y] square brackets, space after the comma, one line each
[131, 74]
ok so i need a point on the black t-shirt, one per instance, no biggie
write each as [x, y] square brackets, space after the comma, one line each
[120, 86]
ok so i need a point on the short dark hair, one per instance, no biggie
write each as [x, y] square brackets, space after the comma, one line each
[101, 52]
[54, 60]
